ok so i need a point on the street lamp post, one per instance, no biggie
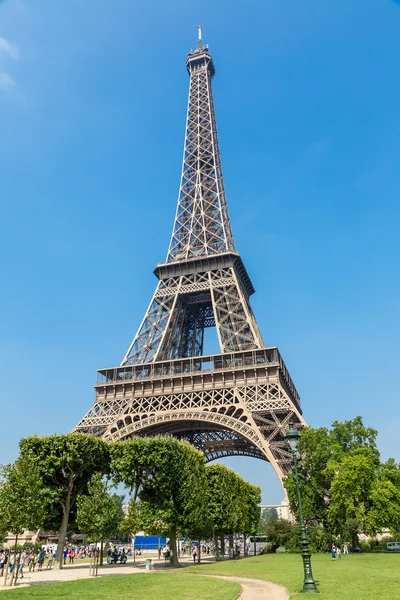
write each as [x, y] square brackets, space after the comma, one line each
[292, 438]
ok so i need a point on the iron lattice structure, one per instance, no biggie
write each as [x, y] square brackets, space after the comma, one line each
[238, 402]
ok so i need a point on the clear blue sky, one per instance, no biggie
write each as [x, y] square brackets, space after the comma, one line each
[92, 113]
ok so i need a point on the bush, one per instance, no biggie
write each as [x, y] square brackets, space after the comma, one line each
[320, 539]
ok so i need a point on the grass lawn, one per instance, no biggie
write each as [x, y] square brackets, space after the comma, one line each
[143, 586]
[365, 576]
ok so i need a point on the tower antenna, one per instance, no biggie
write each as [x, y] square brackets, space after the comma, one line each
[199, 38]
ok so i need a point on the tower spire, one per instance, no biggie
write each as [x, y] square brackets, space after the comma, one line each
[202, 226]
[199, 37]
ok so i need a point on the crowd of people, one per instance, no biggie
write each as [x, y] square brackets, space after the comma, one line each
[23, 558]
[44, 557]
[118, 554]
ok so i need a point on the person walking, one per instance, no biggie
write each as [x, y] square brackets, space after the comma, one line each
[345, 549]
[333, 552]
[194, 553]
[31, 561]
[49, 561]
[40, 560]
[338, 552]
[12, 562]
[3, 561]
[21, 565]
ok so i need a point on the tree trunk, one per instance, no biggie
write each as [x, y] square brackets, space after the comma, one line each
[91, 564]
[101, 552]
[222, 538]
[159, 548]
[245, 553]
[64, 522]
[173, 559]
[255, 547]
[96, 561]
[216, 553]
[199, 553]
[134, 548]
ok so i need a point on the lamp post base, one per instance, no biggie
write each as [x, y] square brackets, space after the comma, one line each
[310, 588]
[309, 585]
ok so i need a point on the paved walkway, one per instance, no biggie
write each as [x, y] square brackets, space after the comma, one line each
[75, 571]
[255, 589]
[252, 589]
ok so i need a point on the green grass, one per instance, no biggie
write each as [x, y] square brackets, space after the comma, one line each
[355, 577]
[143, 586]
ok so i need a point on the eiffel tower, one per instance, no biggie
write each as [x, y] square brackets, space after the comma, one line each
[238, 402]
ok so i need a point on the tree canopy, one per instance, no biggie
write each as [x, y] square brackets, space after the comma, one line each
[23, 501]
[66, 465]
[344, 485]
[233, 504]
[170, 477]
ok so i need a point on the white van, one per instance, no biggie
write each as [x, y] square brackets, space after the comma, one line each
[393, 546]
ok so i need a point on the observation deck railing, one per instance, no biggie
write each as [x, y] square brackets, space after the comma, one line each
[196, 365]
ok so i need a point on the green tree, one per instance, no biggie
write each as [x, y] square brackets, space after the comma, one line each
[320, 447]
[220, 501]
[344, 485]
[250, 510]
[233, 504]
[99, 513]
[23, 500]
[66, 464]
[350, 494]
[171, 477]
[279, 532]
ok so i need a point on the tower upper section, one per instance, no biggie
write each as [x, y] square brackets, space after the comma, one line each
[202, 226]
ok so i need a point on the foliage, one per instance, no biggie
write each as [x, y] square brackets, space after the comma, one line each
[132, 522]
[99, 512]
[220, 498]
[178, 493]
[171, 478]
[66, 464]
[280, 532]
[23, 500]
[344, 486]
[233, 503]
[319, 539]
[250, 499]
[3, 532]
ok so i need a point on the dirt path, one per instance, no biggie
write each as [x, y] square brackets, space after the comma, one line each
[255, 589]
